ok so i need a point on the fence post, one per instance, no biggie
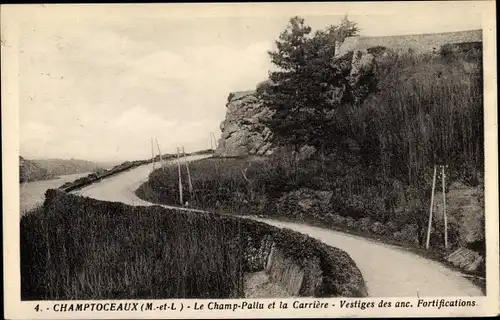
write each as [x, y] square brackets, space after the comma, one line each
[430, 210]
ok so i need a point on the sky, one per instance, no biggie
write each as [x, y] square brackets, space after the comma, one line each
[97, 85]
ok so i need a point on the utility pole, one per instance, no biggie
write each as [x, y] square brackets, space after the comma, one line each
[444, 209]
[430, 210]
[189, 174]
[152, 154]
[180, 178]
[211, 142]
[214, 140]
[159, 152]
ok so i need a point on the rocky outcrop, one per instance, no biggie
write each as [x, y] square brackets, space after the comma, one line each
[465, 212]
[466, 259]
[244, 131]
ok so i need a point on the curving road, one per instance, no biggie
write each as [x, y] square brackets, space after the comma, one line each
[388, 271]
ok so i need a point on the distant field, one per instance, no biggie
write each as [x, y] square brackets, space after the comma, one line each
[33, 193]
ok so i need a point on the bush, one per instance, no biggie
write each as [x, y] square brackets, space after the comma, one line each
[408, 234]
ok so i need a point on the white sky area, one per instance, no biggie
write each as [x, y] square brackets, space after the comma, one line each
[99, 86]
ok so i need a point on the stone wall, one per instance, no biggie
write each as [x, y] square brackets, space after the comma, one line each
[420, 43]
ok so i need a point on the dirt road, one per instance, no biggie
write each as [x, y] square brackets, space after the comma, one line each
[388, 271]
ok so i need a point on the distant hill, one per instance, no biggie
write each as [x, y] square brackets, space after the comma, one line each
[67, 166]
[30, 171]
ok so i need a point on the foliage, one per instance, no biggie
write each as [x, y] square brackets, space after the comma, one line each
[302, 91]
[346, 28]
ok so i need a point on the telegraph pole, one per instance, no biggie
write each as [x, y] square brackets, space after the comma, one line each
[180, 178]
[189, 174]
[152, 154]
[214, 140]
[159, 152]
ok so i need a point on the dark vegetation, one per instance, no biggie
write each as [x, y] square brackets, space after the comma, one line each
[79, 248]
[304, 89]
[30, 171]
[415, 111]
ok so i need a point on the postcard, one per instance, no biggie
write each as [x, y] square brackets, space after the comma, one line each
[250, 160]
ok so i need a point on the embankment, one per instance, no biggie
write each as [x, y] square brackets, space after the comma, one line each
[81, 248]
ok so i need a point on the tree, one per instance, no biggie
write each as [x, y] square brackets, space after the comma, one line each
[345, 29]
[285, 94]
[305, 88]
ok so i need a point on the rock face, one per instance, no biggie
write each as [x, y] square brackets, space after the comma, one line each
[464, 211]
[243, 130]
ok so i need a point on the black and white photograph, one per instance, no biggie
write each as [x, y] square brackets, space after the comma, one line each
[327, 160]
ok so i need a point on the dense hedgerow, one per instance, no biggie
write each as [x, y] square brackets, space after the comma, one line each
[80, 248]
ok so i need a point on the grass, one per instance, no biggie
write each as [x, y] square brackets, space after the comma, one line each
[77, 248]
[80, 248]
